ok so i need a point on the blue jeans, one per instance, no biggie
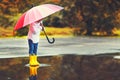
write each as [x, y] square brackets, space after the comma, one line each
[32, 47]
[33, 77]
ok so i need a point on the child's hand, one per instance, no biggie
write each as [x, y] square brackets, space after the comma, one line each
[42, 26]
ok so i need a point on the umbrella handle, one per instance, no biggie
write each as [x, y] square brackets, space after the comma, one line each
[53, 39]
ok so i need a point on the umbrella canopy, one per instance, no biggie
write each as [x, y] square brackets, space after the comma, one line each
[36, 13]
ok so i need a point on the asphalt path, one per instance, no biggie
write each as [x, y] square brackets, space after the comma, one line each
[18, 47]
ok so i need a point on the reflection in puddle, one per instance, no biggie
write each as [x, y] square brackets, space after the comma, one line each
[33, 70]
[64, 67]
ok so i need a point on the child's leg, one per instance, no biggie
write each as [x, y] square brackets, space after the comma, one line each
[35, 48]
[35, 52]
[31, 46]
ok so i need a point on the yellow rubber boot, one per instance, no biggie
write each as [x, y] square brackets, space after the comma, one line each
[31, 60]
[35, 60]
[33, 70]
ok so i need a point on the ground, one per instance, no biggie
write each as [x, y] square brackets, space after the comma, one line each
[70, 58]
[18, 47]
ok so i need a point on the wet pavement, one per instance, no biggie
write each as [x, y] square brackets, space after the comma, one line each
[79, 58]
[62, 67]
[18, 47]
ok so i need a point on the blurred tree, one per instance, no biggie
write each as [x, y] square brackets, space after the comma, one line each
[89, 15]
[98, 14]
[117, 19]
[8, 9]
[71, 15]
[22, 32]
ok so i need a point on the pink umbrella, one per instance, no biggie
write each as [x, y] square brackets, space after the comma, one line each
[36, 13]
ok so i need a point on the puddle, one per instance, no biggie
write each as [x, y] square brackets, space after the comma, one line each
[41, 65]
[63, 67]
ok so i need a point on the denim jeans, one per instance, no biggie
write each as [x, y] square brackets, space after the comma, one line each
[32, 47]
[33, 77]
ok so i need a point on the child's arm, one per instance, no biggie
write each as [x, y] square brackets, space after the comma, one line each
[32, 28]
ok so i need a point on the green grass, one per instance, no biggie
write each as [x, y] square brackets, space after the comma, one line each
[51, 32]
